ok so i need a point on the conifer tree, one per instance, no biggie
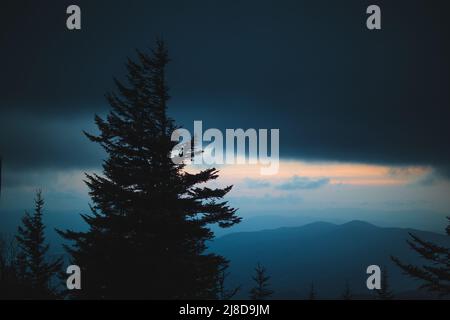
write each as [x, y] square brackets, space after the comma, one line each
[223, 292]
[262, 290]
[435, 275]
[4, 259]
[10, 287]
[33, 267]
[312, 292]
[150, 218]
[385, 293]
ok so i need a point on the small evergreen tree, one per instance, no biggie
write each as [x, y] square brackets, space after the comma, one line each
[223, 292]
[347, 294]
[33, 268]
[385, 293]
[262, 290]
[4, 258]
[312, 292]
[435, 276]
[10, 287]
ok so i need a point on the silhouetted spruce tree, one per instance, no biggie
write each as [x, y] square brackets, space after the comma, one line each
[385, 293]
[150, 218]
[10, 286]
[262, 290]
[347, 294]
[223, 292]
[435, 275]
[312, 295]
[34, 269]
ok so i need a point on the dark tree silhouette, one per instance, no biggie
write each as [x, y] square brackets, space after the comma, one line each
[435, 276]
[33, 267]
[223, 292]
[385, 293]
[262, 290]
[150, 218]
[347, 294]
[312, 295]
[10, 286]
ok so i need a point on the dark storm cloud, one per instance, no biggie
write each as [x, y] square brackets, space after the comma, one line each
[43, 143]
[336, 90]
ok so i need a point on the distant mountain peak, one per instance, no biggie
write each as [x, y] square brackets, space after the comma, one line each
[318, 224]
[322, 252]
[358, 223]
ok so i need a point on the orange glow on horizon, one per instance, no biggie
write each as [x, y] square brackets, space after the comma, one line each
[338, 173]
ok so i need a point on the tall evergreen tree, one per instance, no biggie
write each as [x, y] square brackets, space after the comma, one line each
[385, 293]
[150, 218]
[33, 266]
[261, 290]
[435, 276]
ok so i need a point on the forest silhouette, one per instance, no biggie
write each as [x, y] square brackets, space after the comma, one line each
[150, 219]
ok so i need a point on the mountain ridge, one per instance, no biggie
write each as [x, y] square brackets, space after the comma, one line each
[324, 253]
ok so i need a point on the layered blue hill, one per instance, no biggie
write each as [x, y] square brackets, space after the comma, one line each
[323, 253]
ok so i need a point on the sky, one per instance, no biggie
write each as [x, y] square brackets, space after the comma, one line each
[363, 115]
